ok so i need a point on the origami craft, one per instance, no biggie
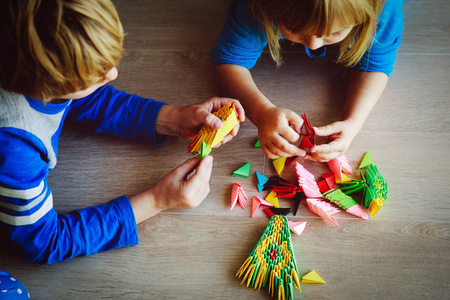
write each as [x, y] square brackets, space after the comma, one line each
[279, 164]
[345, 202]
[238, 195]
[205, 150]
[272, 198]
[312, 277]
[309, 135]
[272, 261]
[327, 183]
[243, 171]
[262, 180]
[340, 165]
[258, 144]
[256, 202]
[285, 190]
[372, 185]
[297, 227]
[211, 136]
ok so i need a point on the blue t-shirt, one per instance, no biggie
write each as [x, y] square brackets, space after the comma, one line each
[243, 39]
[29, 135]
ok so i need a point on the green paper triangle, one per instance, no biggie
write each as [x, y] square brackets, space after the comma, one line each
[204, 150]
[366, 161]
[257, 145]
[243, 171]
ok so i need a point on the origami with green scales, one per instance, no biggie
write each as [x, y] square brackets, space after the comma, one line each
[212, 137]
[272, 261]
[372, 185]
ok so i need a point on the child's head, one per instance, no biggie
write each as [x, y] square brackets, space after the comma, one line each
[52, 48]
[315, 23]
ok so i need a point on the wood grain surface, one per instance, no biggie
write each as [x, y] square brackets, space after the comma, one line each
[401, 253]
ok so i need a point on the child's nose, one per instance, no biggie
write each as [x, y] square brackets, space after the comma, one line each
[313, 42]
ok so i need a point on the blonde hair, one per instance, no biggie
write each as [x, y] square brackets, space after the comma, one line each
[316, 17]
[51, 48]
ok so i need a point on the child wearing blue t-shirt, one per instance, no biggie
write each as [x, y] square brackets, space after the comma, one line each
[55, 61]
[368, 33]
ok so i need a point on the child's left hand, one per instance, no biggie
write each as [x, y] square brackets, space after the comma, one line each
[186, 121]
[341, 135]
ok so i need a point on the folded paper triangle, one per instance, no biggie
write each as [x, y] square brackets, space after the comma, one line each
[366, 161]
[345, 202]
[280, 211]
[307, 182]
[261, 178]
[344, 179]
[340, 165]
[279, 165]
[238, 195]
[205, 150]
[211, 136]
[273, 199]
[312, 277]
[322, 209]
[257, 145]
[243, 171]
[272, 262]
[297, 227]
[256, 202]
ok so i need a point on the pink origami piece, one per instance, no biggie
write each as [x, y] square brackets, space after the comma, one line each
[256, 202]
[340, 165]
[297, 227]
[307, 182]
[238, 194]
[323, 208]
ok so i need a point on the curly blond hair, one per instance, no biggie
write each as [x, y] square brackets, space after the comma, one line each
[51, 48]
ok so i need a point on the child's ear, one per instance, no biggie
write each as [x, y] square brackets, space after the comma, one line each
[111, 75]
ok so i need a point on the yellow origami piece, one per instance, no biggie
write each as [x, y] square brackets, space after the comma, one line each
[212, 137]
[312, 277]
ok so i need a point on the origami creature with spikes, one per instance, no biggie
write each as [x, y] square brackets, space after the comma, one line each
[272, 261]
[372, 185]
[212, 137]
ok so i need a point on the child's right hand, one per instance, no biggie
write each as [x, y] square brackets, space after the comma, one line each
[175, 189]
[276, 134]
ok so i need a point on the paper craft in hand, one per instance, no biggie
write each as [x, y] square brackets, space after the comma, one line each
[212, 137]
[238, 195]
[308, 134]
[272, 262]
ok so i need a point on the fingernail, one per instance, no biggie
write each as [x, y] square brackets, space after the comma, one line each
[217, 124]
[209, 159]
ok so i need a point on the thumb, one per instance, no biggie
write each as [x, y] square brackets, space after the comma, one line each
[296, 122]
[186, 168]
[209, 119]
[203, 172]
[327, 129]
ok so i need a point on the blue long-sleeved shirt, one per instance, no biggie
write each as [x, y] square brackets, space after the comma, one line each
[29, 135]
[243, 39]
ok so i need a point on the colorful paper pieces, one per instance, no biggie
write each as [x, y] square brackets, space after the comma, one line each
[285, 190]
[307, 182]
[262, 180]
[212, 137]
[372, 185]
[238, 195]
[257, 145]
[309, 137]
[297, 227]
[272, 261]
[279, 164]
[268, 212]
[340, 165]
[273, 181]
[273, 199]
[312, 277]
[205, 150]
[256, 202]
[323, 209]
[243, 171]
[297, 199]
[346, 202]
[327, 183]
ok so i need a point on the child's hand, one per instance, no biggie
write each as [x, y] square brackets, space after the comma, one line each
[276, 134]
[341, 135]
[186, 121]
[175, 190]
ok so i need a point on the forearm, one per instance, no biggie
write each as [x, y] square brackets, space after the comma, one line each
[237, 82]
[144, 206]
[363, 91]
